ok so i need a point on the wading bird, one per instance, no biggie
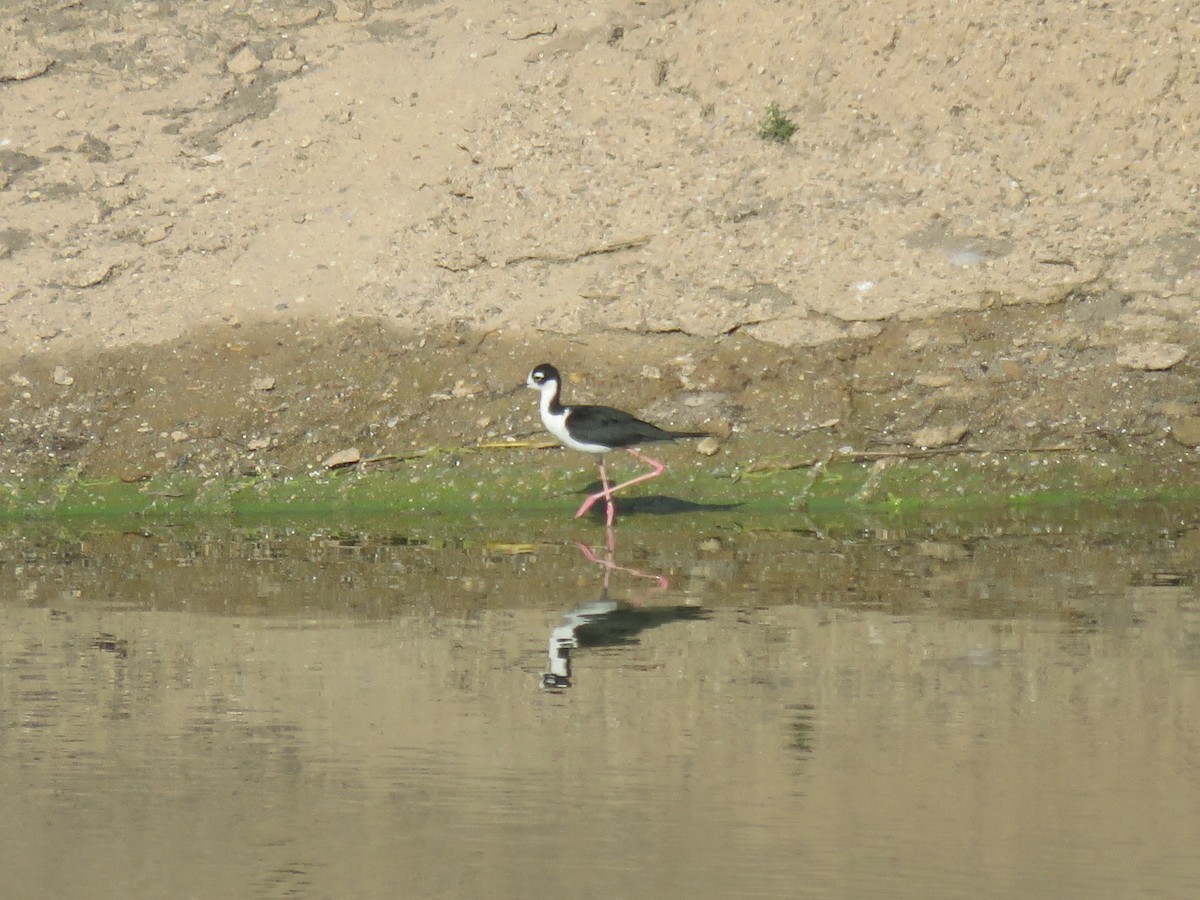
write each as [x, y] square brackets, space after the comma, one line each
[598, 430]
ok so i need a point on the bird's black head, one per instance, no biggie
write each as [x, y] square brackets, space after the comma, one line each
[543, 374]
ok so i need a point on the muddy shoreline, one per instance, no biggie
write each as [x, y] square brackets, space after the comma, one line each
[272, 401]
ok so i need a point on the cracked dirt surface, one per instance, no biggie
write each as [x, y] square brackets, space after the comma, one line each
[984, 229]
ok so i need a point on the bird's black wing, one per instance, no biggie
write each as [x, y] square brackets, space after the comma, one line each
[617, 428]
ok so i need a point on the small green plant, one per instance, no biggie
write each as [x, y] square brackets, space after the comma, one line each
[775, 126]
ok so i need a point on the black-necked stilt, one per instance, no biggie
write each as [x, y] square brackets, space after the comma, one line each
[598, 430]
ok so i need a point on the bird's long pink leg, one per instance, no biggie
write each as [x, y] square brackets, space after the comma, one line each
[606, 493]
[658, 469]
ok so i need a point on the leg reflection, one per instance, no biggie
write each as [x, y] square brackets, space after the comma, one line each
[609, 562]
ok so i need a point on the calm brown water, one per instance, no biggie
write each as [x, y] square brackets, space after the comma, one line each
[1009, 709]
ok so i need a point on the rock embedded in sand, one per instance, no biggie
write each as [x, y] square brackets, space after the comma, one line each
[1151, 356]
[938, 436]
[243, 62]
[1186, 431]
[284, 66]
[86, 275]
[154, 234]
[272, 17]
[934, 380]
[348, 12]
[21, 61]
[348, 457]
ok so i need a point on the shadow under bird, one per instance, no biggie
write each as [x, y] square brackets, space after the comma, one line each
[598, 430]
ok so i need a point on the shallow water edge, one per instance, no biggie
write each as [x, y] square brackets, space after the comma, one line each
[883, 705]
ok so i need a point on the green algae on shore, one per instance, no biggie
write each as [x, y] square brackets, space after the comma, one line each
[481, 483]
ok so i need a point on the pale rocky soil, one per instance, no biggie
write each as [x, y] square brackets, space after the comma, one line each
[239, 237]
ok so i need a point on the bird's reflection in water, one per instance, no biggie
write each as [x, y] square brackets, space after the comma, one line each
[608, 622]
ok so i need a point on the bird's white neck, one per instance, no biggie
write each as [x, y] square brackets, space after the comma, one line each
[554, 415]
